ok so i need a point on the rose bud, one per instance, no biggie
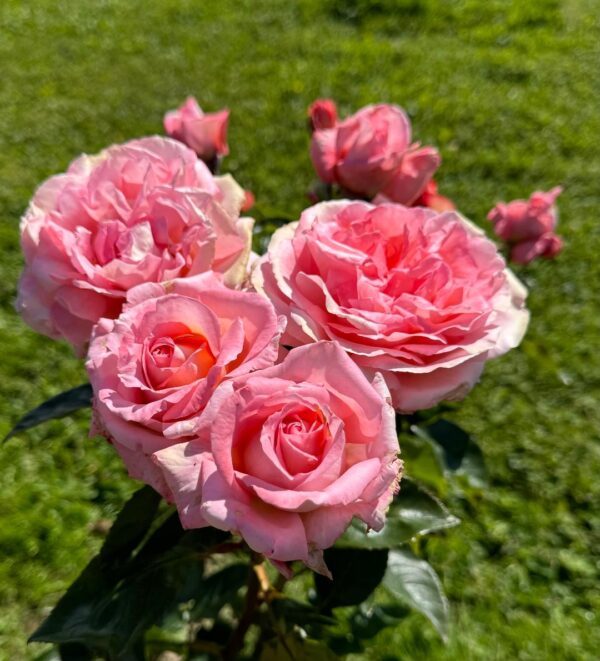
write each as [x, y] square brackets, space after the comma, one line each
[528, 226]
[371, 153]
[205, 133]
[547, 245]
[322, 114]
[249, 200]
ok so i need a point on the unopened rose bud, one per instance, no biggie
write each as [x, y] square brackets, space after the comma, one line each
[205, 133]
[322, 114]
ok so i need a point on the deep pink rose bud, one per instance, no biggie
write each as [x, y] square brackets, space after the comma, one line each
[370, 153]
[249, 200]
[205, 133]
[322, 114]
[528, 226]
[548, 246]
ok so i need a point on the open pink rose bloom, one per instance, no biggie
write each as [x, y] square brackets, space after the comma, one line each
[145, 211]
[528, 226]
[422, 297]
[288, 455]
[155, 367]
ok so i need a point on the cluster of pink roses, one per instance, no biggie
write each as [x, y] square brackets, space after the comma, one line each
[258, 393]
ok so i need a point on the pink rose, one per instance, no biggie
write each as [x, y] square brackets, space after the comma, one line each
[322, 114]
[205, 133]
[154, 369]
[547, 245]
[370, 153]
[293, 453]
[528, 226]
[144, 211]
[424, 298]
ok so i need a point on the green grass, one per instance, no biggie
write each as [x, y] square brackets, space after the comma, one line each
[509, 91]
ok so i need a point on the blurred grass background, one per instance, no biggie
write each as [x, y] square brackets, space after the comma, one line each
[510, 93]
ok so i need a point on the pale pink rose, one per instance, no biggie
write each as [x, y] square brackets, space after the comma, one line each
[528, 226]
[294, 452]
[322, 114]
[154, 368]
[205, 133]
[145, 211]
[371, 153]
[424, 298]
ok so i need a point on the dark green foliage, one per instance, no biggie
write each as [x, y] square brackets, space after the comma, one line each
[413, 512]
[357, 628]
[294, 648]
[217, 590]
[295, 612]
[131, 526]
[355, 574]
[56, 407]
[452, 448]
[131, 586]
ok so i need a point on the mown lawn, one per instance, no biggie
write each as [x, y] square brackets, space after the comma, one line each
[509, 91]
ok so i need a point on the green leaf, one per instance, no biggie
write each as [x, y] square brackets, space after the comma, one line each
[125, 589]
[293, 648]
[56, 407]
[131, 525]
[164, 537]
[413, 512]
[69, 620]
[111, 618]
[75, 652]
[171, 533]
[461, 453]
[356, 573]
[218, 589]
[424, 460]
[413, 581]
[453, 440]
[49, 655]
[295, 612]
[368, 621]
[122, 616]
